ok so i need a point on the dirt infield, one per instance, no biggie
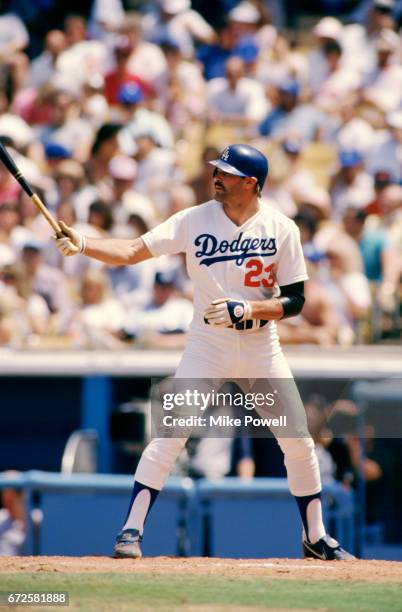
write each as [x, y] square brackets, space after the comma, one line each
[370, 571]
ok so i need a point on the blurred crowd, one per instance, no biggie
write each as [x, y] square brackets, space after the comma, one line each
[114, 120]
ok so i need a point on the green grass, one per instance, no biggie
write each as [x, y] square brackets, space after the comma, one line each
[171, 592]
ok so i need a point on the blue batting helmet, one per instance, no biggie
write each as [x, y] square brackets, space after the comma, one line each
[243, 160]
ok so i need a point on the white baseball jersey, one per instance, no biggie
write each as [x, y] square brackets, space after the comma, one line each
[247, 262]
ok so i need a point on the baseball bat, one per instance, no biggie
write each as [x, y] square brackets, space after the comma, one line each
[10, 164]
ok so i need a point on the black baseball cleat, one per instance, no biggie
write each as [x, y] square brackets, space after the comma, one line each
[326, 549]
[128, 545]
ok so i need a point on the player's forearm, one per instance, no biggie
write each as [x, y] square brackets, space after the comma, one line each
[116, 251]
[271, 310]
[289, 304]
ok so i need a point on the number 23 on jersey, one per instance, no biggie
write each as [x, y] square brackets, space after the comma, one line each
[258, 275]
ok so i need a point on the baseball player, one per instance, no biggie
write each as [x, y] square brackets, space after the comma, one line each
[247, 265]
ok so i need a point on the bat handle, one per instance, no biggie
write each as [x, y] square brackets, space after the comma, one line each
[49, 218]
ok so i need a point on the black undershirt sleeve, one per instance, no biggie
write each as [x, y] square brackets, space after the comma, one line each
[292, 299]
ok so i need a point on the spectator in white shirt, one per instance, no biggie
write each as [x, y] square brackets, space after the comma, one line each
[146, 59]
[235, 98]
[338, 80]
[43, 68]
[383, 86]
[177, 20]
[166, 313]
[181, 88]
[101, 316]
[157, 167]
[327, 29]
[139, 119]
[353, 132]
[14, 38]
[66, 128]
[387, 155]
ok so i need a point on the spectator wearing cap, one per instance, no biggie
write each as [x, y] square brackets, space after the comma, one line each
[382, 88]
[129, 99]
[120, 75]
[65, 128]
[246, 18]
[314, 200]
[236, 99]
[125, 200]
[382, 263]
[55, 154]
[181, 88]
[146, 59]
[167, 316]
[251, 24]
[105, 19]
[351, 184]
[140, 120]
[175, 19]
[328, 29]
[387, 154]
[288, 117]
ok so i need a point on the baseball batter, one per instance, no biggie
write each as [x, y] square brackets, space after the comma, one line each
[247, 265]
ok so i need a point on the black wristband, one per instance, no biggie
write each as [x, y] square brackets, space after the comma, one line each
[292, 299]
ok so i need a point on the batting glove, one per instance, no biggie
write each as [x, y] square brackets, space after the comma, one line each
[226, 312]
[71, 243]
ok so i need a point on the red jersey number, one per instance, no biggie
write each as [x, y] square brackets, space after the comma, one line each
[257, 275]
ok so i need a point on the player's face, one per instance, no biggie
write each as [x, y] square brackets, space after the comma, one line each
[226, 185]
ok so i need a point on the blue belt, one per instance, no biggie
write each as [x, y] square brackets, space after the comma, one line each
[250, 324]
